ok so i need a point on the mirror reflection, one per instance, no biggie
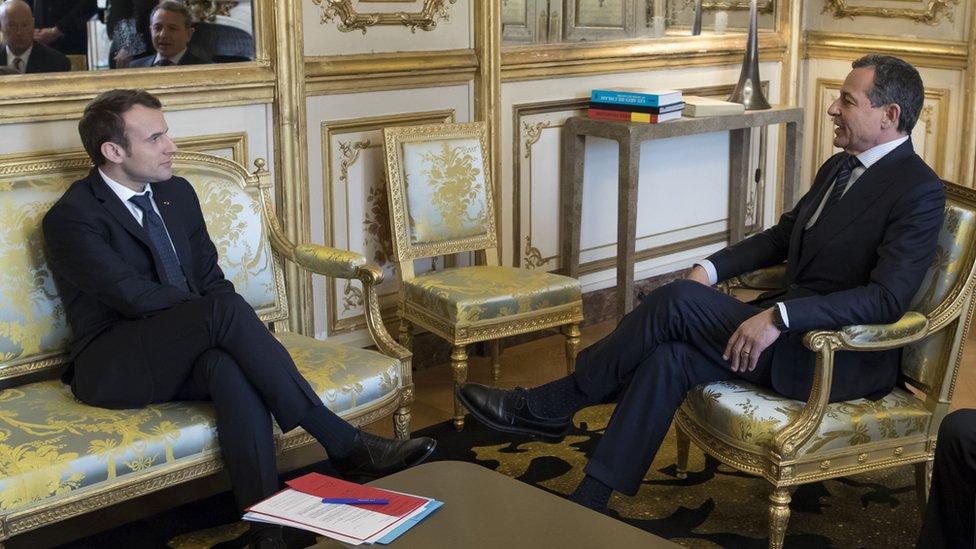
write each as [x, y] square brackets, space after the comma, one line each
[40, 36]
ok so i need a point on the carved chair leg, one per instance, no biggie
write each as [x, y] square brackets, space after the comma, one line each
[495, 347]
[401, 423]
[779, 516]
[683, 442]
[406, 334]
[572, 333]
[459, 365]
[923, 482]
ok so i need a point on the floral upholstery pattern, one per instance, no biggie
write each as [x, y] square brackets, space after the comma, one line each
[32, 319]
[921, 361]
[748, 416]
[233, 216]
[447, 197]
[52, 444]
[466, 295]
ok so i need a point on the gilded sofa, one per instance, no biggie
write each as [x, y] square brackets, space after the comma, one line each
[60, 458]
[789, 442]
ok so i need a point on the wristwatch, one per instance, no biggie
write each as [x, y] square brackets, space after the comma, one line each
[778, 319]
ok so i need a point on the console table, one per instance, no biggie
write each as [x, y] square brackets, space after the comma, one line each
[629, 136]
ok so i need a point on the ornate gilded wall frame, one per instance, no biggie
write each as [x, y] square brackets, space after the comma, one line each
[930, 15]
[767, 6]
[349, 19]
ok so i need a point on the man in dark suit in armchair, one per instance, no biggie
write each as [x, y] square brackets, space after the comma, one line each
[20, 52]
[171, 29]
[856, 248]
[154, 319]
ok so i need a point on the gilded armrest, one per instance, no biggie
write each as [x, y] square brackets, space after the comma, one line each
[329, 261]
[909, 328]
[769, 278]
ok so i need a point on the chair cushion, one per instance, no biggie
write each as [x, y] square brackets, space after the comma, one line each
[748, 416]
[471, 294]
[52, 444]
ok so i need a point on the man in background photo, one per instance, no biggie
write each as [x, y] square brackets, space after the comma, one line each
[20, 51]
[171, 29]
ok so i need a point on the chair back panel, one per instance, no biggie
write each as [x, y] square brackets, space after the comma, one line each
[441, 194]
[925, 363]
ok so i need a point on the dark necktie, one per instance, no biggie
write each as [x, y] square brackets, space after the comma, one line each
[164, 63]
[172, 273]
[19, 65]
[840, 183]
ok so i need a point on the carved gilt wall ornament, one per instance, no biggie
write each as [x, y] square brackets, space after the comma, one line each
[767, 6]
[349, 19]
[930, 15]
[208, 10]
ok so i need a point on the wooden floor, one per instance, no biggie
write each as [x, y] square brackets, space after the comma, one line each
[542, 360]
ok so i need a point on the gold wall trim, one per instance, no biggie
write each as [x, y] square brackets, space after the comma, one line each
[329, 130]
[348, 19]
[44, 97]
[488, 99]
[236, 142]
[932, 15]
[559, 60]
[922, 53]
[400, 70]
[767, 6]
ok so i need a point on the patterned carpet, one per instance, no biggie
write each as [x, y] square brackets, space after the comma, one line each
[714, 507]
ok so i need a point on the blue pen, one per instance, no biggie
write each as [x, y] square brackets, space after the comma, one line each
[357, 501]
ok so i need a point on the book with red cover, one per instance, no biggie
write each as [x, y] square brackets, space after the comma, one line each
[328, 487]
[680, 105]
[623, 116]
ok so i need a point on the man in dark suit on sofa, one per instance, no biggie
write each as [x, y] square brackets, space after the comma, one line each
[20, 52]
[856, 247]
[154, 319]
[171, 29]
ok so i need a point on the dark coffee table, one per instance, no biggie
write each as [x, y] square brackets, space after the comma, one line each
[486, 509]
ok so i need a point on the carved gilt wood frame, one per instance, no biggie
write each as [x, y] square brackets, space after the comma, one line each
[349, 19]
[931, 15]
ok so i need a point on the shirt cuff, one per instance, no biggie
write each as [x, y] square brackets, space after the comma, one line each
[782, 313]
[710, 270]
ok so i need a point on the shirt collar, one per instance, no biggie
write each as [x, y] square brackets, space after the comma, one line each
[25, 56]
[124, 193]
[878, 152]
[175, 59]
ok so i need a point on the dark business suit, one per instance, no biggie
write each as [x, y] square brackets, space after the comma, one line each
[42, 59]
[950, 516]
[860, 263]
[147, 61]
[68, 16]
[138, 341]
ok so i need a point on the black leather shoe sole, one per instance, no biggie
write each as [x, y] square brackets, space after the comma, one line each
[513, 429]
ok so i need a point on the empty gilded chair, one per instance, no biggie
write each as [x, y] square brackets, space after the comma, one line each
[789, 442]
[441, 203]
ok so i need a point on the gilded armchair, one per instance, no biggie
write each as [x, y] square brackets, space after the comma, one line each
[789, 442]
[441, 203]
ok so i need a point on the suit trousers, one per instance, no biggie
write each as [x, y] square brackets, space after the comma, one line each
[950, 515]
[672, 342]
[212, 348]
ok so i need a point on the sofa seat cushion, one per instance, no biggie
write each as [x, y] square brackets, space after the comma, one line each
[52, 445]
[343, 376]
[748, 416]
[466, 295]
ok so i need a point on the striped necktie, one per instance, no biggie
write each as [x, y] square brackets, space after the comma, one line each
[840, 184]
[172, 273]
[19, 65]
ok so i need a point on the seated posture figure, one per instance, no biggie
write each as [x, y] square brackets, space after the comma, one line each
[951, 511]
[171, 29]
[154, 319]
[20, 51]
[856, 248]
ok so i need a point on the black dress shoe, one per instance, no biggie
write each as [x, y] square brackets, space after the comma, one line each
[374, 457]
[509, 411]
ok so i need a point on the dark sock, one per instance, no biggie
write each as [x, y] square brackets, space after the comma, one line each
[593, 494]
[333, 433]
[557, 399]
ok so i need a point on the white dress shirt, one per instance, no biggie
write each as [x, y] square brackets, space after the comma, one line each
[24, 57]
[125, 193]
[866, 158]
[175, 59]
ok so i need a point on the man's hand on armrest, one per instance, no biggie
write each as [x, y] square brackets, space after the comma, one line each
[699, 275]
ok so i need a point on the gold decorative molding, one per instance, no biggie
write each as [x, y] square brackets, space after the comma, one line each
[768, 6]
[930, 15]
[387, 71]
[236, 142]
[349, 153]
[531, 133]
[348, 19]
[535, 62]
[919, 52]
[208, 10]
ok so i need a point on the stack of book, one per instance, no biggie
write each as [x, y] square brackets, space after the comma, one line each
[631, 105]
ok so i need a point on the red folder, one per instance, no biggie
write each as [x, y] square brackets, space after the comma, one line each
[324, 486]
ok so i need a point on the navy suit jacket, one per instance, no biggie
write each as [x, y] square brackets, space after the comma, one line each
[104, 265]
[42, 59]
[862, 263]
[147, 61]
